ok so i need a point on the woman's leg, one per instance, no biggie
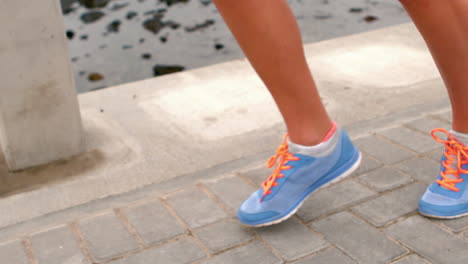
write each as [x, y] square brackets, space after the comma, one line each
[444, 26]
[269, 35]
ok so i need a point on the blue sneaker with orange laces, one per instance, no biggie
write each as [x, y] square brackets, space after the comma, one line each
[447, 197]
[295, 177]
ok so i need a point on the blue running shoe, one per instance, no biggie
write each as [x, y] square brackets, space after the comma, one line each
[295, 177]
[447, 197]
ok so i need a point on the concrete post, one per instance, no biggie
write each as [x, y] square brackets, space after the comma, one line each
[39, 114]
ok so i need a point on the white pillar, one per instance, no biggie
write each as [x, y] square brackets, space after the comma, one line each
[39, 114]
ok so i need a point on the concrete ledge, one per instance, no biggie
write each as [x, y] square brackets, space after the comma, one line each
[154, 130]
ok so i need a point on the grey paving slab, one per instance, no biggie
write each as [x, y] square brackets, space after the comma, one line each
[385, 178]
[446, 115]
[333, 198]
[358, 239]
[222, 235]
[427, 124]
[456, 225]
[106, 236]
[13, 253]
[328, 256]
[367, 164]
[411, 259]
[421, 169]
[252, 253]
[292, 240]
[435, 155]
[57, 246]
[258, 175]
[429, 240]
[182, 251]
[410, 139]
[232, 191]
[382, 150]
[391, 205]
[153, 222]
[196, 208]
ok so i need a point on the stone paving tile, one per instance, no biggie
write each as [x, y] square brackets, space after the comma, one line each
[333, 198]
[222, 235]
[367, 164]
[196, 208]
[385, 178]
[13, 253]
[391, 205]
[427, 124]
[421, 169]
[429, 240]
[410, 139]
[382, 150]
[182, 251]
[447, 115]
[435, 155]
[358, 239]
[231, 191]
[153, 222]
[411, 259]
[456, 225]
[253, 253]
[106, 236]
[328, 256]
[292, 240]
[258, 175]
[57, 246]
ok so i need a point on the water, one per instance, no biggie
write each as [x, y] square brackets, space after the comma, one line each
[118, 41]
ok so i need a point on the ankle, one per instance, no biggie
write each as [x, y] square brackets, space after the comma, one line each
[313, 136]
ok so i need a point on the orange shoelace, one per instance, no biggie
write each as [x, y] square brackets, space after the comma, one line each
[283, 155]
[454, 152]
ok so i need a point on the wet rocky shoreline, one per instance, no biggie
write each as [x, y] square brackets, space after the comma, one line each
[118, 41]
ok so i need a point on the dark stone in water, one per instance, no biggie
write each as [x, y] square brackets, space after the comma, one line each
[114, 26]
[163, 39]
[154, 24]
[125, 47]
[219, 46]
[146, 56]
[203, 25]
[84, 37]
[94, 3]
[370, 18]
[118, 6]
[67, 6]
[131, 15]
[159, 69]
[94, 77]
[173, 25]
[160, 11]
[70, 34]
[205, 2]
[355, 10]
[142, 40]
[91, 16]
[171, 2]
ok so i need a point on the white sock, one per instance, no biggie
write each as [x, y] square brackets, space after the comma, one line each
[462, 137]
[319, 150]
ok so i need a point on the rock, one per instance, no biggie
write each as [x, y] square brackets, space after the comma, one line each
[154, 24]
[203, 25]
[114, 26]
[131, 15]
[205, 2]
[92, 16]
[118, 6]
[84, 37]
[70, 34]
[125, 47]
[146, 56]
[160, 69]
[219, 46]
[370, 18]
[163, 39]
[94, 3]
[171, 2]
[355, 10]
[94, 77]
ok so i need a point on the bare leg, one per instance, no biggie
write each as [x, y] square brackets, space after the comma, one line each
[444, 26]
[269, 36]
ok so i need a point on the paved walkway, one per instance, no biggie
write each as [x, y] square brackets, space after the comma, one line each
[368, 218]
